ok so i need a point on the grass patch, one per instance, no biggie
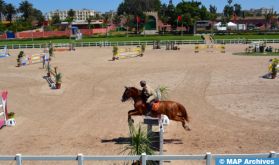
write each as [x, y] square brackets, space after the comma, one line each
[256, 54]
[102, 38]
[115, 37]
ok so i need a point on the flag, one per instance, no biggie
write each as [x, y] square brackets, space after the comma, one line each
[179, 18]
[138, 19]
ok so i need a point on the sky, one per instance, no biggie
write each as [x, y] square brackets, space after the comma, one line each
[107, 5]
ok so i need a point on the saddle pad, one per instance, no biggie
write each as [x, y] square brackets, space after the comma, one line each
[155, 106]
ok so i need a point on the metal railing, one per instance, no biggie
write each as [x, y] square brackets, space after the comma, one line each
[80, 158]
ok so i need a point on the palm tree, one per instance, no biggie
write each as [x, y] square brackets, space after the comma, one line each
[116, 20]
[10, 12]
[55, 19]
[70, 18]
[26, 9]
[89, 20]
[230, 2]
[2, 8]
[213, 15]
[71, 14]
[268, 17]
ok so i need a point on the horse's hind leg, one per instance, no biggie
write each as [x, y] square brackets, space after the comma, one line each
[186, 126]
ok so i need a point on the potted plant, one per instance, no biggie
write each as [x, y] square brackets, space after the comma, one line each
[50, 51]
[142, 49]
[114, 52]
[19, 57]
[141, 142]
[48, 70]
[274, 68]
[11, 115]
[58, 80]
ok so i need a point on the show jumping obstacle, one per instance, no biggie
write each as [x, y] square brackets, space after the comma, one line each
[210, 48]
[170, 45]
[4, 120]
[34, 59]
[157, 137]
[4, 52]
[50, 78]
[64, 47]
[124, 53]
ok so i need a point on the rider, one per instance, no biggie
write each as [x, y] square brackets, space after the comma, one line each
[149, 94]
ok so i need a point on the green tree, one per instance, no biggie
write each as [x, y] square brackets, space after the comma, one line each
[89, 20]
[2, 27]
[71, 14]
[213, 14]
[204, 15]
[2, 8]
[55, 19]
[26, 9]
[137, 7]
[10, 12]
[237, 9]
[191, 11]
[268, 16]
[228, 12]
[70, 18]
[230, 2]
[116, 20]
[167, 13]
[37, 16]
[212, 9]
[97, 16]
[163, 13]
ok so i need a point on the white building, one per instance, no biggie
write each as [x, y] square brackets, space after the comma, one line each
[80, 15]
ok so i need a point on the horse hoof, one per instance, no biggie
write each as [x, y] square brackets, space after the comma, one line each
[188, 129]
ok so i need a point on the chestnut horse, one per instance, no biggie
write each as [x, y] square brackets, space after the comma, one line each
[173, 110]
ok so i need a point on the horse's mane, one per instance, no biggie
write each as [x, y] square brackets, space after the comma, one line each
[136, 89]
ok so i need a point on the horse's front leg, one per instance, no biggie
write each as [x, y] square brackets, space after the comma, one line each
[133, 113]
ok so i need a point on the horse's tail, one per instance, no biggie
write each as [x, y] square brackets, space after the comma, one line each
[184, 112]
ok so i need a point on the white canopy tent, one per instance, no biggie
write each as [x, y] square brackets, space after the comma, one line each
[219, 27]
[232, 25]
[218, 24]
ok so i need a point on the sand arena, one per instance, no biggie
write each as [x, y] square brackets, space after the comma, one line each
[232, 109]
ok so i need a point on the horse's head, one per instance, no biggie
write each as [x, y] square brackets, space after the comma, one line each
[130, 92]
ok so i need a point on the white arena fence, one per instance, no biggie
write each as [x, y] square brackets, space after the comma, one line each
[136, 43]
[244, 41]
[100, 43]
[80, 158]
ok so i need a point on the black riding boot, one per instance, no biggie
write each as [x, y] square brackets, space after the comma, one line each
[149, 109]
